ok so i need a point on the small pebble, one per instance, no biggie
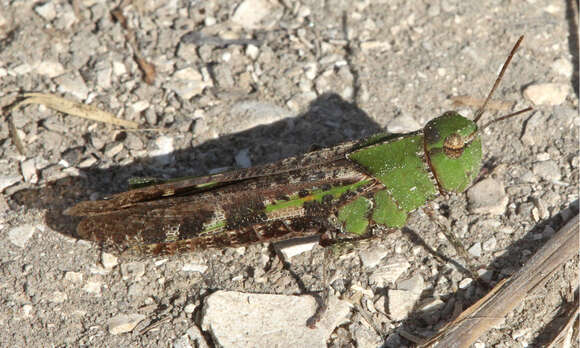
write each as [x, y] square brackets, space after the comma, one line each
[375, 46]
[475, 250]
[371, 257]
[243, 158]
[74, 84]
[194, 267]
[252, 52]
[390, 272]
[20, 235]
[7, 181]
[401, 303]
[75, 277]
[250, 13]
[291, 248]
[415, 284]
[547, 93]
[108, 260]
[57, 297]
[187, 83]
[122, 323]
[46, 10]
[27, 310]
[133, 270]
[487, 197]
[93, 287]
[28, 169]
[547, 170]
[50, 68]
[563, 67]
[465, 283]
[164, 153]
[113, 149]
[490, 244]
[402, 124]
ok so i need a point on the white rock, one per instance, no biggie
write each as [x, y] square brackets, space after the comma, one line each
[86, 163]
[122, 323]
[109, 260]
[563, 67]
[164, 152]
[311, 70]
[475, 250]
[375, 45]
[431, 304]
[553, 9]
[104, 74]
[50, 68]
[209, 21]
[119, 68]
[75, 277]
[27, 310]
[402, 124]
[415, 284]
[401, 302]
[20, 235]
[390, 272]
[487, 197]
[46, 10]
[57, 297]
[188, 82]
[465, 283]
[140, 106]
[547, 170]
[28, 169]
[238, 319]
[93, 287]
[23, 69]
[74, 84]
[194, 267]
[547, 93]
[114, 150]
[7, 181]
[371, 257]
[544, 156]
[189, 308]
[252, 51]
[133, 270]
[490, 244]
[292, 247]
[250, 13]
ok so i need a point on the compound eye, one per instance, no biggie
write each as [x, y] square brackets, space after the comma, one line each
[453, 146]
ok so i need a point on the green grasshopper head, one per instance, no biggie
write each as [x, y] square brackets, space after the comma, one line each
[453, 150]
[452, 142]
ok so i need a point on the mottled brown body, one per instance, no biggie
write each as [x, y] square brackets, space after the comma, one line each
[228, 209]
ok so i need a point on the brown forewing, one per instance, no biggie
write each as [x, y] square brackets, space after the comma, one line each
[179, 223]
[305, 162]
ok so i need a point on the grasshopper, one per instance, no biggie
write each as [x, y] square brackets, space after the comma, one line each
[338, 193]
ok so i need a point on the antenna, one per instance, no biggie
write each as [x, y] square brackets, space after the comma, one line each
[506, 116]
[480, 111]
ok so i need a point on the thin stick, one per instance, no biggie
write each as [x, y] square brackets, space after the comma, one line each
[480, 111]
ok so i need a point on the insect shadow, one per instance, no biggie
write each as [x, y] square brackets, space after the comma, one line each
[328, 121]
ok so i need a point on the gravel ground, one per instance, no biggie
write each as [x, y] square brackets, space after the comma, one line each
[244, 83]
